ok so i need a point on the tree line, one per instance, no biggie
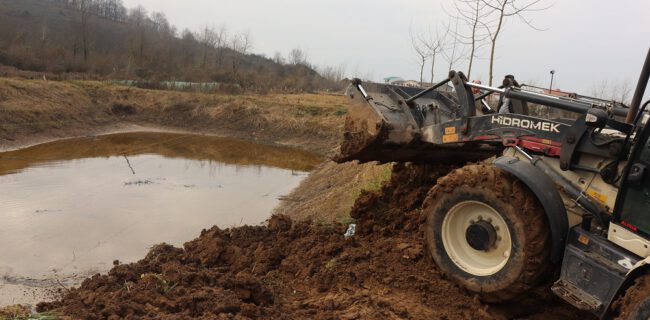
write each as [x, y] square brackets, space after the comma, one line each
[104, 38]
[109, 9]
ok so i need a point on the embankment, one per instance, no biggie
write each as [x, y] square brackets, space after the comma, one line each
[35, 110]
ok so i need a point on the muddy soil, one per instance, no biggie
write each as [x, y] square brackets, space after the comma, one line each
[301, 270]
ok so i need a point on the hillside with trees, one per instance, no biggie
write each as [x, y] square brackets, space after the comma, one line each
[104, 39]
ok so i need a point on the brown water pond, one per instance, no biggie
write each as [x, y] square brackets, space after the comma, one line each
[71, 207]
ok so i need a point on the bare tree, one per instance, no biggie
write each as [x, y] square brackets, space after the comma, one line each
[187, 51]
[619, 91]
[297, 56]
[208, 39]
[622, 91]
[333, 74]
[435, 43]
[241, 44]
[278, 58]
[163, 33]
[473, 14]
[84, 7]
[501, 10]
[599, 89]
[453, 53]
[221, 41]
[161, 25]
[421, 53]
[138, 21]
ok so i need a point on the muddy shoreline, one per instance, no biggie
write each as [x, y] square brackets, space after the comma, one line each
[35, 111]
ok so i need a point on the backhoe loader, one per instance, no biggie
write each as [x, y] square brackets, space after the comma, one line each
[532, 193]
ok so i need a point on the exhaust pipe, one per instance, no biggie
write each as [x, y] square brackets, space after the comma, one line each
[640, 90]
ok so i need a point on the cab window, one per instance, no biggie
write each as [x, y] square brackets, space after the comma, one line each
[635, 211]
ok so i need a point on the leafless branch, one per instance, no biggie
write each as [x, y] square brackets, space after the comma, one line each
[501, 10]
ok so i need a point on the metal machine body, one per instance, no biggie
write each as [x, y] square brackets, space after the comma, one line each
[589, 173]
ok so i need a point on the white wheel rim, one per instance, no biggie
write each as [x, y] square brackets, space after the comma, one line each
[470, 260]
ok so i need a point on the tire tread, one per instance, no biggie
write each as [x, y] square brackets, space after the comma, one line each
[510, 190]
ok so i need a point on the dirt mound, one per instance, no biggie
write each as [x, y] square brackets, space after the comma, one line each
[296, 270]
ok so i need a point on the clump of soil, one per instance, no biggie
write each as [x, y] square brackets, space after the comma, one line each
[296, 270]
[14, 312]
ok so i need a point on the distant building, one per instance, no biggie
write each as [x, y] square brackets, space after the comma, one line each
[407, 83]
[559, 93]
[392, 79]
[398, 81]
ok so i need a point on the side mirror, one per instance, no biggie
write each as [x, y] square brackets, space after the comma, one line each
[596, 118]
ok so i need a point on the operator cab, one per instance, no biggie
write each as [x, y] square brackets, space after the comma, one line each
[630, 227]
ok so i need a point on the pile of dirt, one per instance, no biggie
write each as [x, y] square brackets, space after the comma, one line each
[299, 270]
[14, 312]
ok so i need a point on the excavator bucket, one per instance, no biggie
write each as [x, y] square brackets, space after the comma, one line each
[382, 126]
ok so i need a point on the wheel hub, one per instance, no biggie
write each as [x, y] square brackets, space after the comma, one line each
[481, 235]
[476, 238]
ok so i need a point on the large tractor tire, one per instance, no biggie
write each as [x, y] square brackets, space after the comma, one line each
[634, 304]
[487, 231]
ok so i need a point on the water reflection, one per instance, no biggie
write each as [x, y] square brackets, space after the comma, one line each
[170, 145]
[74, 206]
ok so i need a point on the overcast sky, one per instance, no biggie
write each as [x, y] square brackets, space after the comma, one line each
[586, 41]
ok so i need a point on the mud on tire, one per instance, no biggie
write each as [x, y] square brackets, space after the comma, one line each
[514, 206]
[635, 302]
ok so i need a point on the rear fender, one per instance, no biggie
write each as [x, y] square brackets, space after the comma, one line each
[548, 196]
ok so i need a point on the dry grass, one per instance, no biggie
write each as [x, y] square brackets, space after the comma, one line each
[329, 192]
[35, 107]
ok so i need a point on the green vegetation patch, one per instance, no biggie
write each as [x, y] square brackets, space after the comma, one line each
[341, 111]
[302, 111]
